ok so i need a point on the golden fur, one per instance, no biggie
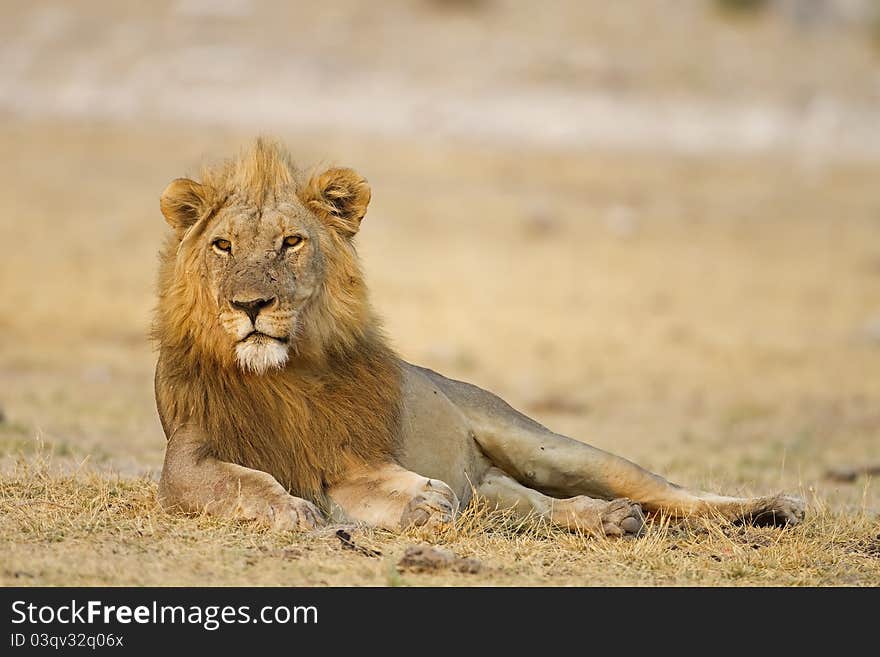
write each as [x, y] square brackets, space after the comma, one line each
[336, 403]
[277, 390]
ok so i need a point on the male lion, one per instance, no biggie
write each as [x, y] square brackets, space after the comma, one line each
[282, 402]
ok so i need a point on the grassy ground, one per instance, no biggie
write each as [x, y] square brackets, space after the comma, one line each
[706, 317]
[82, 529]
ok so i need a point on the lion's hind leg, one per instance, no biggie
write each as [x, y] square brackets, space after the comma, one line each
[564, 467]
[620, 517]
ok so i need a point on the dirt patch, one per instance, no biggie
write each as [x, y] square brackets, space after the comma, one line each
[427, 559]
[866, 547]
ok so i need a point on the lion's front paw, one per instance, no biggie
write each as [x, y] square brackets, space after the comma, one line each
[435, 505]
[777, 511]
[293, 513]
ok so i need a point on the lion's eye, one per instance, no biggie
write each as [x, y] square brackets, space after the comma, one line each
[293, 242]
[222, 245]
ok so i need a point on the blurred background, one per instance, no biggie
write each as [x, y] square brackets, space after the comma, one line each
[652, 225]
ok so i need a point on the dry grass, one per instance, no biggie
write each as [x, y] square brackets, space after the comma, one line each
[704, 317]
[85, 529]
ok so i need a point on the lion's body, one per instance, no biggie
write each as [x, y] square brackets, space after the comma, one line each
[437, 438]
[281, 400]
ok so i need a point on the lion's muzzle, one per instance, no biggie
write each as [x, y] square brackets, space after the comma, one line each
[253, 306]
[262, 330]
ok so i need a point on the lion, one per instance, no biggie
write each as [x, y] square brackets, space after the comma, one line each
[283, 403]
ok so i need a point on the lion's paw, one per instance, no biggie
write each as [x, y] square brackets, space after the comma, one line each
[293, 513]
[623, 518]
[777, 511]
[618, 518]
[435, 505]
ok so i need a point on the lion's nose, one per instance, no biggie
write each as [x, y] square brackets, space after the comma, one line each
[252, 306]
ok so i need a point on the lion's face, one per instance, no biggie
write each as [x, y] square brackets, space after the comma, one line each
[263, 266]
[270, 257]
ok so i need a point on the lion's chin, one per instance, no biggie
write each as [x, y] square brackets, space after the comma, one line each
[260, 353]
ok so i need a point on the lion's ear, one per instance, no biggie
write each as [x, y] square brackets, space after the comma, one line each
[340, 197]
[182, 203]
